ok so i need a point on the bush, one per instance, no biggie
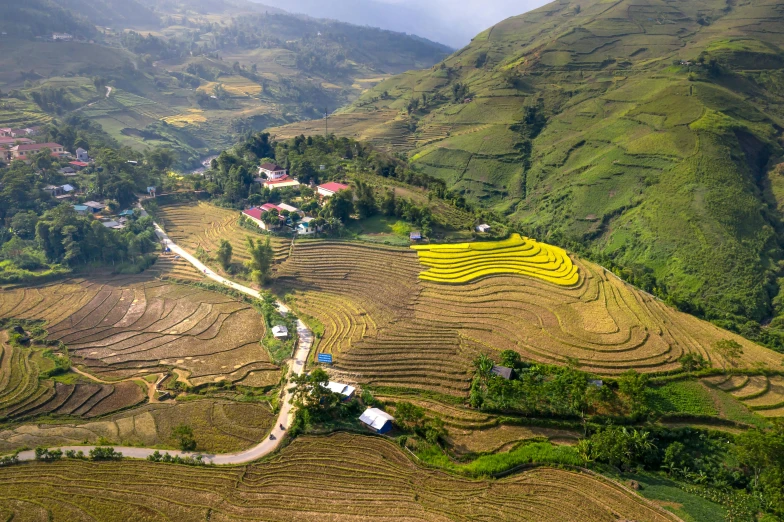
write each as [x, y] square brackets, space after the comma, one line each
[105, 453]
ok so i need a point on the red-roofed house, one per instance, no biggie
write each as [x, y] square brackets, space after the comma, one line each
[272, 171]
[254, 214]
[79, 165]
[23, 152]
[280, 183]
[328, 190]
[7, 141]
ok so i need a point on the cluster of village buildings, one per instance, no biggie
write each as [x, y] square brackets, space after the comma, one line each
[274, 177]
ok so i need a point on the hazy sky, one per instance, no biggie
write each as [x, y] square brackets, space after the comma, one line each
[470, 16]
[452, 22]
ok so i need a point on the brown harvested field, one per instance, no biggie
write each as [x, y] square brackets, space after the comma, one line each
[338, 478]
[119, 327]
[219, 426]
[23, 394]
[194, 225]
[504, 438]
[171, 266]
[386, 327]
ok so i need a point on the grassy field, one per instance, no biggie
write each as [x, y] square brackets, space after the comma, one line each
[386, 326]
[326, 478]
[123, 327]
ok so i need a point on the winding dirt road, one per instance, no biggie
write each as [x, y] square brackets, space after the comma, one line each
[286, 415]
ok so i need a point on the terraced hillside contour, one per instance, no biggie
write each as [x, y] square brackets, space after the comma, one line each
[195, 225]
[464, 262]
[219, 426]
[120, 327]
[387, 327]
[326, 478]
[649, 130]
[763, 395]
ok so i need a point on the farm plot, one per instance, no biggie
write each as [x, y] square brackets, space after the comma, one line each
[22, 394]
[341, 477]
[130, 326]
[761, 394]
[464, 262]
[363, 295]
[219, 426]
[387, 327]
[201, 225]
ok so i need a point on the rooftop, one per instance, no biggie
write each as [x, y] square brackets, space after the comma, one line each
[333, 187]
[376, 418]
[272, 167]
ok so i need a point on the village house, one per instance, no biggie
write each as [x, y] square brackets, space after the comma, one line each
[23, 152]
[62, 37]
[67, 171]
[78, 165]
[280, 332]
[503, 372]
[81, 155]
[327, 190]
[255, 213]
[342, 389]
[278, 183]
[272, 171]
[377, 420]
[59, 192]
[305, 227]
[8, 142]
[483, 228]
[94, 206]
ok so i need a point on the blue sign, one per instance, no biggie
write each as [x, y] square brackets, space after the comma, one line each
[325, 358]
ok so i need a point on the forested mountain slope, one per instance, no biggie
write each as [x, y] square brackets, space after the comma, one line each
[190, 75]
[646, 130]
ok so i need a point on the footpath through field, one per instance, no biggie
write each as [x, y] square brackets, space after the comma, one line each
[286, 415]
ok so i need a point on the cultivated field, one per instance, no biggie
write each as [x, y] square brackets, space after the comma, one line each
[22, 394]
[465, 262]
[388, 327]
[218, 426]
[194, 225]
[761, 394]
[342, 477]
[120, 327]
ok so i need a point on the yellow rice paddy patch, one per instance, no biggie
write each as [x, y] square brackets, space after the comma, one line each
[234, 85]
[464, 262]
[191, 117]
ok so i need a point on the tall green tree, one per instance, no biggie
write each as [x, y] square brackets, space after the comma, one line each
[260, 262]
[224, 254]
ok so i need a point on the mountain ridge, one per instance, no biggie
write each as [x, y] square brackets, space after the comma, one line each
[645, 132]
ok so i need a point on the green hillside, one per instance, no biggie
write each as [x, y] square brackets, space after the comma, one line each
[647, 132]
[189, 75]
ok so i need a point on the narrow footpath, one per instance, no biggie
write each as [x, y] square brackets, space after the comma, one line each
[285, 417]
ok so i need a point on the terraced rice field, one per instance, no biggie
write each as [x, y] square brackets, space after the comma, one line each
[342, 477]
[464, 262]
[194, 225]
[388, 327]
[218, 426]
[171, 266]
[761, 394]
[131, 326]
